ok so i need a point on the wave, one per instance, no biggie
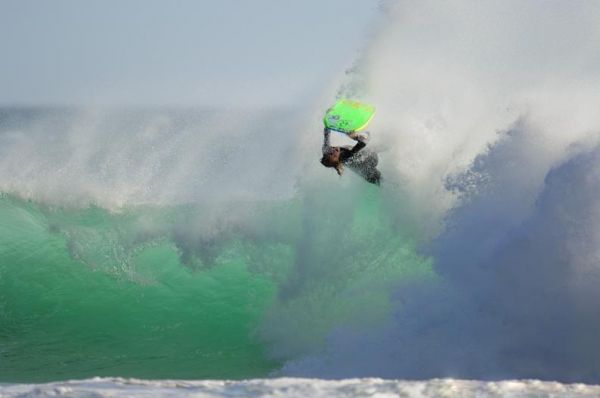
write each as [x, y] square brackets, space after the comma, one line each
[288, 387]
[489, 110]
[212, 244]
[190, 290]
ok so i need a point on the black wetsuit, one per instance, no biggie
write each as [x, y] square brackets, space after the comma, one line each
[362, 162]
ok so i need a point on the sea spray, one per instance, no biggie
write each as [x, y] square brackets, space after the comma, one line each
[490, 115]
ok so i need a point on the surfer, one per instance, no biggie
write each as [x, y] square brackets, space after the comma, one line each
[362, 161]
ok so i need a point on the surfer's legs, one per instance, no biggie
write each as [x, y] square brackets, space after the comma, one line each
[374, 177]
[371, 174]
[366, 167]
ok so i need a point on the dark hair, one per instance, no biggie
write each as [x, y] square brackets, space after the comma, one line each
[327, 162]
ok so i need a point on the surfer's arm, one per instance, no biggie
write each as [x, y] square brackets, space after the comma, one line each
[326, 144]
[347, 154]
[361, 137]
[359, 145]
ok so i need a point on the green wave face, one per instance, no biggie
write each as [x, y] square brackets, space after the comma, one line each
[142, 293]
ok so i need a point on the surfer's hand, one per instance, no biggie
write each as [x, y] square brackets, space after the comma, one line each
[356, 136]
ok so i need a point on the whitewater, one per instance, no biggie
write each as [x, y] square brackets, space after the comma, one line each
[143, 247]
[300, 388]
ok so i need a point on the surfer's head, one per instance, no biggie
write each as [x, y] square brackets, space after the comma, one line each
[331, 158]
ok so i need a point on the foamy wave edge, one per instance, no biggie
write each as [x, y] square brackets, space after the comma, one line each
[298, 387]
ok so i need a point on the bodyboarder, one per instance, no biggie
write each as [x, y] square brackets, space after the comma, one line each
[358, 159]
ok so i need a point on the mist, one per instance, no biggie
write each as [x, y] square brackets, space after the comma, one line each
[489, 112]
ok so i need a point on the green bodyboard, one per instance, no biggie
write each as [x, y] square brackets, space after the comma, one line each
[348, 116]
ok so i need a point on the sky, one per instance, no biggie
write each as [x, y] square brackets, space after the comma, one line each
[149, 52]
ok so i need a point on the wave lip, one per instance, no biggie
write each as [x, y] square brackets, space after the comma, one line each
[298, 387]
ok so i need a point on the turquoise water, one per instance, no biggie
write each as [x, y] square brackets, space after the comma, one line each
[156, 292]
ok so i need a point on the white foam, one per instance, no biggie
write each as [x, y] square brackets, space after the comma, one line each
[300, 388]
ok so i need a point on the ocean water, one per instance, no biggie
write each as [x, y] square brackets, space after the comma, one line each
[172, 288]
[146, 246]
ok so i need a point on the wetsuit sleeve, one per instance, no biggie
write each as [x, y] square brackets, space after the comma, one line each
[359, 145]
[326, 144]
[348, 154]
